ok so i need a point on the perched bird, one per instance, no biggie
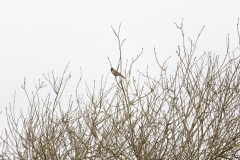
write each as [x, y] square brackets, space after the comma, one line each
[116, 73]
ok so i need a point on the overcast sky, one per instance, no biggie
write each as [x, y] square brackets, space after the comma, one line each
[37, 37]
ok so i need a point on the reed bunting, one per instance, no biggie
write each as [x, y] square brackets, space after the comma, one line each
[116, 73]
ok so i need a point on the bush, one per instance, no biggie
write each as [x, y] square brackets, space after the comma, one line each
[191, 114]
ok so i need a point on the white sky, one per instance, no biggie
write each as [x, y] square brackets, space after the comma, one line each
[37, 37]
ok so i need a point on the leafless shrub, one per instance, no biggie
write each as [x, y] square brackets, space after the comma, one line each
[191, 114]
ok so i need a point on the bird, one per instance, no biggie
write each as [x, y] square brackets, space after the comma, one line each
[116, 73]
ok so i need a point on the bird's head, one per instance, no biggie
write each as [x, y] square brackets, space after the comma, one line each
[112, 69]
